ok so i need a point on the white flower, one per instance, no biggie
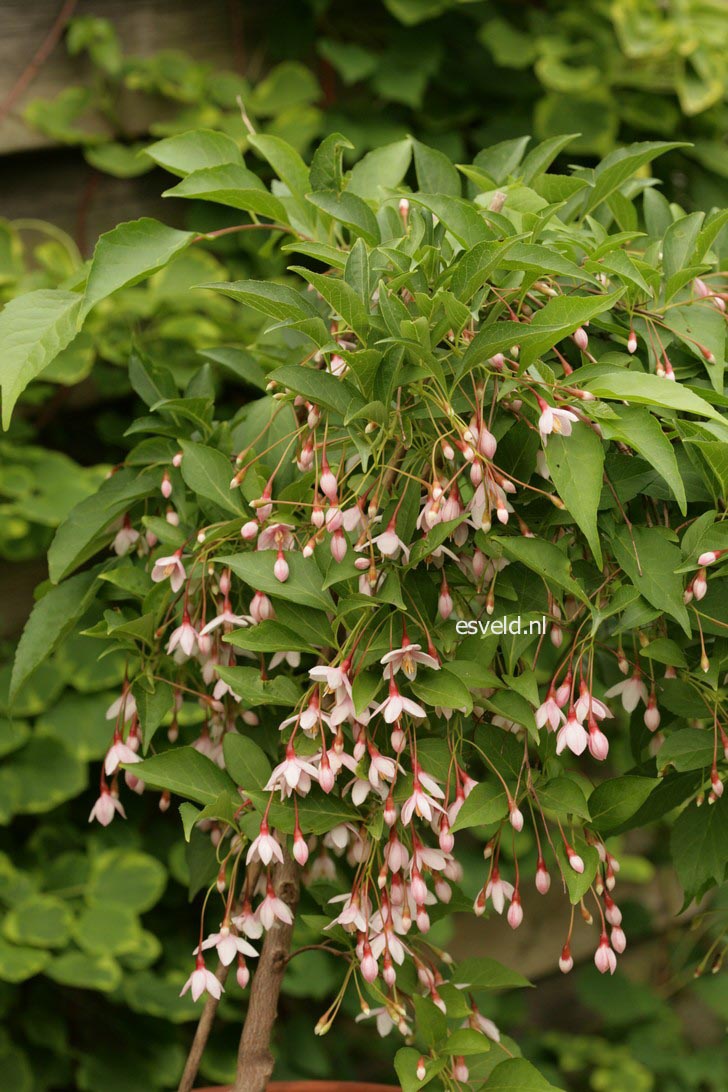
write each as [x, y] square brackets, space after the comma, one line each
[498, 890]
[572, 735]
[395, 704]
[631, 690]
[183, 638]
[273, 909]
[549, 712]
[170, 568]
[293, 773]
[555, 420]
[125, 701]
[106, 807]
[118, 753]
[407, 658]
[228, 946]
[202, 980]
[264, 848]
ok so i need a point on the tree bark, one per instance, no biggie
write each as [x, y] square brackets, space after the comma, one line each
[255, 1061]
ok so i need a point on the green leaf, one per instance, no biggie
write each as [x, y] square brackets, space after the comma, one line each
[108, 929]
[460, 217]
[615, 801]
[126, 877]
[435, 172]
[320, 387]
[41, 921]
[688, 749]
[557, 320]
[518, 1075]
[349, 210]
[232, 185]
[541, 557]
[699, 846]
[187, 773]
[269, 636]
[18, 964]
[576, 464]
[245, 762]
[208, 473]
[152, 707]
[641, 431]
[85, 972]
[45, 774]
[565, 796]
[484, 973]
[34, 328]
[578, 883]
[650, 561]
[284, 160]
[51, 620]
[326, 165]
[466, 1042]
[621, 165]
[406, 1061]
[341, 297]
[253, 691]
[650, 390]
[128, 253]
[184, 153]
[485, 804]
[381, 169]
[304, 578]
[442, 688]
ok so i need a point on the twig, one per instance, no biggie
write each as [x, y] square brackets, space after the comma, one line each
[202, 1034]
[255, 1061]
[41, 55]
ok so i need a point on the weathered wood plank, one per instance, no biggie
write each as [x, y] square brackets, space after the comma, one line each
[206, 30]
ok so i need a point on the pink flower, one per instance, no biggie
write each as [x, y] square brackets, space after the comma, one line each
[170, 568]
[264, 848]
[277, 537]
[598, 742]
[227, 619]
[498, 890]
[554, 420]
[273, 909]
[419, 803]
[183, 638]
[118, 753]
[125, 702]
[514, 916]
[125, 538]
[106, 807]
[353, 916]
[291, 774]
[247, 922]
[228, 946]
[604, 958]
[631, 690]
[395, 704]
[407, 658]
[202, 980]
[389, 543]
[572, 735]
[549, 712]
[587, 704]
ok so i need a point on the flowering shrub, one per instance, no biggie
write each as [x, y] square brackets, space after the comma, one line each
[505, 403]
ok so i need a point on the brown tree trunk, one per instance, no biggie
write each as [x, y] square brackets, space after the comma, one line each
[255, 1061]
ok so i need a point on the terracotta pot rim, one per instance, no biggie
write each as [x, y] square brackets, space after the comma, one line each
[316, 1086]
